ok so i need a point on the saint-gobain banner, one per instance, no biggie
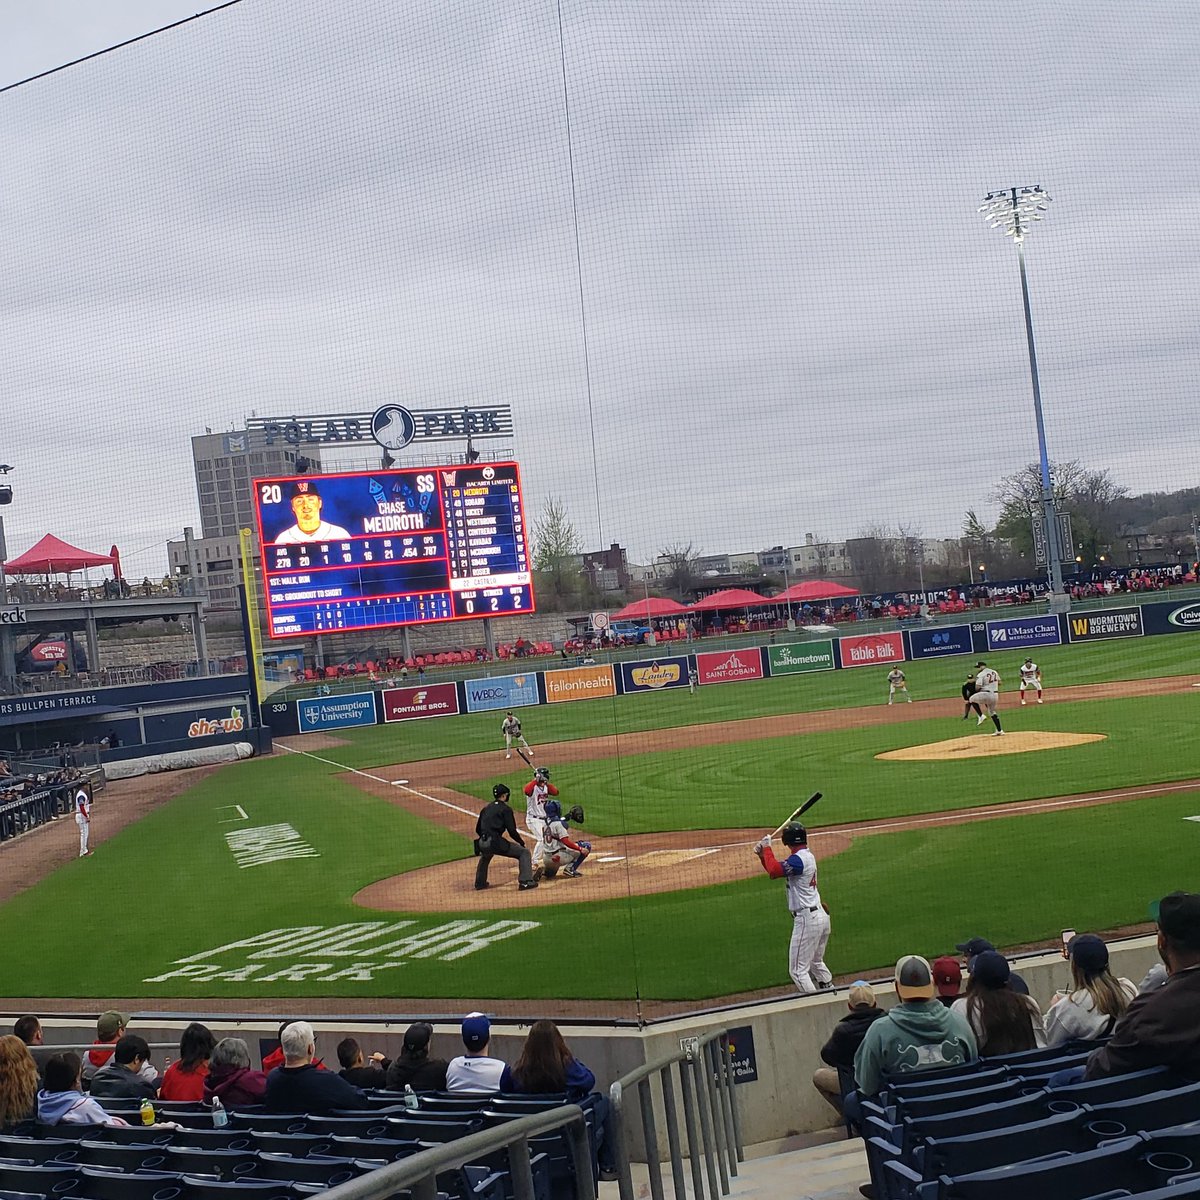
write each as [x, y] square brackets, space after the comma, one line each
[1171, 618]
[654, 674]
[869, 650]
[1019, 632]
[412, 703]
[1105, 624]
[801, 656]
[729, 666]
[502, 691]
[940, 642]
[335, 712]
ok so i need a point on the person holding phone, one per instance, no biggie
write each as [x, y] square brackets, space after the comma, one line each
[1096, 1001]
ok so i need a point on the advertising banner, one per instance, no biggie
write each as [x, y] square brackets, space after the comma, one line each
[1018, 633]
[1101, 626]
[803, 656]
[335, 712]
[280, 716]
[413, 703]
[654, 674]
[580, 683]
[501, 691]
[730, 666]
[869, 650]
[1171, 618]
[939, 643]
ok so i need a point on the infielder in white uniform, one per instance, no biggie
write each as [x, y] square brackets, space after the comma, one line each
[987, 695]
[511, 728]
[83, 818]
[1031, 679]
[810, 917]
[537, 791]
[897, 683]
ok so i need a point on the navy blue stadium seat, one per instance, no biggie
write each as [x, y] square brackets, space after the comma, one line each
[189, 1120]
[383, 1149]
[526, 1104]
[934, 1105]
[127, 1135]
[226, 1164]
[402, 1129]
[453, 1101]
[199, 1188]
[10, 1195]
[312, 1169]
[1158, 1110]
[920, 1084]
[99, 1184]
[214, 1139]
[66, 1133]
[349, 1126]
[266, 1122]
[46, 1180]
[124, 1158]
[977, 1120]
[1119, 1087]
[37, 1150]
[297, 1144]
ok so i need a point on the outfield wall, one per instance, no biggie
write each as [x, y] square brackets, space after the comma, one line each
[704, 668]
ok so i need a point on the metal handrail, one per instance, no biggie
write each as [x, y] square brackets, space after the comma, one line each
[710, 1116]
[418, 1173]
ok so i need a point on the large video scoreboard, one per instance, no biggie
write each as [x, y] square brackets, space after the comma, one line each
[381, 548]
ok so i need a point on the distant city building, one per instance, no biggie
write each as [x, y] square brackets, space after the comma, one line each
[609, 569]
[819, 559]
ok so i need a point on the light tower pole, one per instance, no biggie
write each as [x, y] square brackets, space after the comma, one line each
[1012, 211]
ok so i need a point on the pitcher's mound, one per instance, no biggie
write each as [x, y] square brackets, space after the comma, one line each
[983, 745]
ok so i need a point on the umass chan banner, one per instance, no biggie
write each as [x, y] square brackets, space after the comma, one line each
[1104, 624]
[729, 666]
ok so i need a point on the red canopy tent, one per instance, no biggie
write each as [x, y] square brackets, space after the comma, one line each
[813, 589]
[651, 606]
[729, 598]
[53, 556]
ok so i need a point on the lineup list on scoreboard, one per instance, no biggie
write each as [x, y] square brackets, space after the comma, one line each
[371, 550]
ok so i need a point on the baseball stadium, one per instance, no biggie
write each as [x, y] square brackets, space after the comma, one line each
[538, 655]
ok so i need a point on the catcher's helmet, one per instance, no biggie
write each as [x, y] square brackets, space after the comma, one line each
[794, 835]
[542, 774]
[501, 789]
[553, 810]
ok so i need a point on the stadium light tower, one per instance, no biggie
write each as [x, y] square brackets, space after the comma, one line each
[1012, 211]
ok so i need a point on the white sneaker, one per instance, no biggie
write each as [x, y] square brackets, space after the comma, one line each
[889, 704]
[508, 756]
[1022, 703]
[1039, 699]
[982, 718]
[998, 733]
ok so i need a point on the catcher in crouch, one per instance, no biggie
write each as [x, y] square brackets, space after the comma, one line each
[559, 850]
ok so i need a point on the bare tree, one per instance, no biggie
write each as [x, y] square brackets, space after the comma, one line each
[680, 563]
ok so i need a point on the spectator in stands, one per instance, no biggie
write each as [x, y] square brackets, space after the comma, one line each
[1154, 978]
[975, 946]
[356, 1069]
[413, 1066]
[919, 1034]
[947, 976]
[1097, 999]
[122, 1076]
[229, 1075]
[184, 1079]
[475, 1071]
[1002, 1020]
[275, 1058]
[839, 1051]
[110, 1026]
[29, 1030]
[18, 1083]
[299, 1086]
[61, 1100]
[1162, 1027]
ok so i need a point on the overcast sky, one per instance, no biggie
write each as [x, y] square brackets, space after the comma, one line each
[795, 319]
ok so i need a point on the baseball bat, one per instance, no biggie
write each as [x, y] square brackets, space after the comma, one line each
[799, 812]
[522, 754]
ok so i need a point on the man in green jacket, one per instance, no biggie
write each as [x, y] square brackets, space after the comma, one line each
[919, 1034]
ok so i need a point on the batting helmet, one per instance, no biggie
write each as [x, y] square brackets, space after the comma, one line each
[794, 835]
[553, 810]
[501, 789]
[542, 774]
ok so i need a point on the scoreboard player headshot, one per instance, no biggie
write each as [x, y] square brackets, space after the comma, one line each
[309, 527]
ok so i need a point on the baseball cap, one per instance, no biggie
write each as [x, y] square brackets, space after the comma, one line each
[305, 487]
[914, 978]
[861, 994]
[1178, 916]
[981, 663]
[417, 1035]
[947, 975]
[476, 1029]
[110, 1023]
[1089, 952]
[990, 969]
[973, 946]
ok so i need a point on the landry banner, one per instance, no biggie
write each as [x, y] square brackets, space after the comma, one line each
[412, 703]
[503, 691]
[1018, 633]
[801, 656]
[870, 650]
[939, 643]
[579, 683]
[1172, 618]
[730, 666]
[335, 712]
[654, 675]
[1105, 624]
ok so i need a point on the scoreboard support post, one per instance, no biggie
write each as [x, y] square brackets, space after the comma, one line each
[320, 653]
[489, 638]
[405, 643]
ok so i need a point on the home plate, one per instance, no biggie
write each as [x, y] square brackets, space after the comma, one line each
[612, 858]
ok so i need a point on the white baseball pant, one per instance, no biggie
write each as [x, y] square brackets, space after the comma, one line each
[806, 954]
[987, 701]
[85, 828]
[537, 829]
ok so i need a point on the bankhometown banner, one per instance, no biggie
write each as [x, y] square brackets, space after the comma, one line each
[801, 656]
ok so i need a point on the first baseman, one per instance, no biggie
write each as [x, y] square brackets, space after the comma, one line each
[810, 918]
[897, 683]
[537, 791]
[1031, 679]
[986, 697]
[511, 728]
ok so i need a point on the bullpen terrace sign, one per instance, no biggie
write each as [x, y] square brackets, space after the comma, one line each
[391, 426]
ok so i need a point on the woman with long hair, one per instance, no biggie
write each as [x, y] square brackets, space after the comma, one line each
[184, 1079]
[413, 1067]
[1097, 999]
[1003, 1020]
[18, 1082]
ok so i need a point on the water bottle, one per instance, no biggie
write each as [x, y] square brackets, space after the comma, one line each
[147, 1111]
[219, 1115]
[410, 1097]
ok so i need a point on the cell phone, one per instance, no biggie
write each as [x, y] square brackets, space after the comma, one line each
[1067, 936]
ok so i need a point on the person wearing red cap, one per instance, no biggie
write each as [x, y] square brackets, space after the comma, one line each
[947, 978]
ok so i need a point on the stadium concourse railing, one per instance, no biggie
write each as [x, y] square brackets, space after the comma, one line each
[417, 1174]
[706, 1095]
